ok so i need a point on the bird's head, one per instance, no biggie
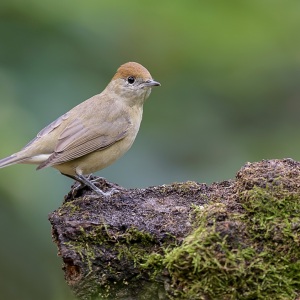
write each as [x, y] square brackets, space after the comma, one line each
[133, 82]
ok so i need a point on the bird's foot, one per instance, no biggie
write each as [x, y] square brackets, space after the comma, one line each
[105, 194]
[93, 187]
[90, 182]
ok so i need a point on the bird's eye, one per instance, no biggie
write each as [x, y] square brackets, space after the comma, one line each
[131, 79]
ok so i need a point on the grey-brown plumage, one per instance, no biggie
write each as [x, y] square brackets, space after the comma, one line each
[94, 133]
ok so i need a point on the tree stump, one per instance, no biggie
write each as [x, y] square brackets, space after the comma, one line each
[237, 239]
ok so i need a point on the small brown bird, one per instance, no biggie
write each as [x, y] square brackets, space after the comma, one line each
[94, 133]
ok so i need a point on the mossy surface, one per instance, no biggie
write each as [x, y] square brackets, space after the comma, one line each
[264, 264]
[236, 239]
[248, 253]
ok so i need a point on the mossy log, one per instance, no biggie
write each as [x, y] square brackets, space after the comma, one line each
[237, 239]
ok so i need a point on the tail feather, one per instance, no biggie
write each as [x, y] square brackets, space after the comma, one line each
[11, 160]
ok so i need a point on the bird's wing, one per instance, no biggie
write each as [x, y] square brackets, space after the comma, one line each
[48, 128]
[77, 139]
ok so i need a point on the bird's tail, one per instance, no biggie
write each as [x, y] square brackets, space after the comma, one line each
[11, 160]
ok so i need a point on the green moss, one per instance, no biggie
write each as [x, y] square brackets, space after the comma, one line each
[134, 235]
[274, 214]
[84, 248]
[69, 207]
[137, 246]
[132, 245]
[264, 265]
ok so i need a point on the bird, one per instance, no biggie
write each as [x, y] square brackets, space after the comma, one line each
[95, 133]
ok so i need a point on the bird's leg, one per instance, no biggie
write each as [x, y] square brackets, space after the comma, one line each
[91, 185]
[86, 182]
[88, 177]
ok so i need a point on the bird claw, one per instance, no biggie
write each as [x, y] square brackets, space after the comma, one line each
[106, 194]
[90, 183]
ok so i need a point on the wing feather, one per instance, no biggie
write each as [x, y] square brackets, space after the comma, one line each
[48, 129]
[78, 140]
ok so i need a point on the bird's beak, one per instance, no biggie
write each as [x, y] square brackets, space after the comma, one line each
[151, 82]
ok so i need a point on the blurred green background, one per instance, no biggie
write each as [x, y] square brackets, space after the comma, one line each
[230, 75]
